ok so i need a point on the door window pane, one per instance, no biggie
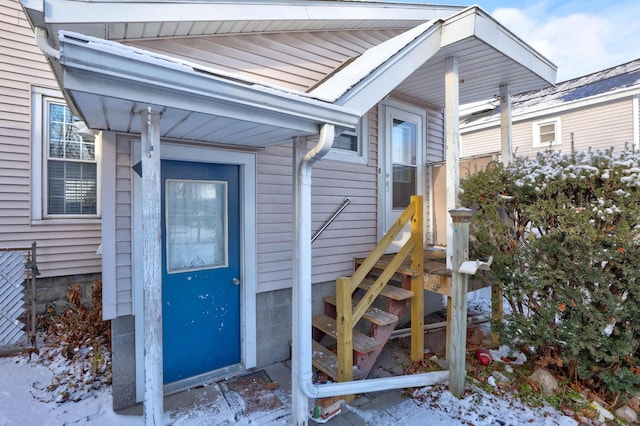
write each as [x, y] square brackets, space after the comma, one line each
[403, 158]
[403, 142]
[196, 218]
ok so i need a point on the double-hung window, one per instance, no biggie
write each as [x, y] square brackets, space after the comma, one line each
[65, 171]
[546, 133]
[351, 145]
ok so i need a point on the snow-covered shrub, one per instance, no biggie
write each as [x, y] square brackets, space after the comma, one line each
[564, 230]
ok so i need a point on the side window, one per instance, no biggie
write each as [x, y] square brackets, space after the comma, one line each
[351, 145]
[546, 133]
[65, 172]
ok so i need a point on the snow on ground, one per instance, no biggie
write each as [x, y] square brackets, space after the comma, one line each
[21, 403]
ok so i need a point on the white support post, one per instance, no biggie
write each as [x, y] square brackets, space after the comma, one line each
[452, 143]
[459, 287]
[152, 269]
[505, 124]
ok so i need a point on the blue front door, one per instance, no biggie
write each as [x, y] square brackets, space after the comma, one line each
[200, 268]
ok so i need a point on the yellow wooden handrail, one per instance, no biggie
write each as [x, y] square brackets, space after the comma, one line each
[375, 255]
[348, 316]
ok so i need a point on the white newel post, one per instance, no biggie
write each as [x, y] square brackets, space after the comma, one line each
[152, 269]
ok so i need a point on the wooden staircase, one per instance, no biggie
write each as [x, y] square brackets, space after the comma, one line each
[357, 352]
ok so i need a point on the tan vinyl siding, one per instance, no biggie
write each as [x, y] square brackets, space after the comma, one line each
[62, 249]
[435, 136]
[480, 142]
[274, 217]
[597, 126]
[352, 234]
[296, 60]
[123, 211]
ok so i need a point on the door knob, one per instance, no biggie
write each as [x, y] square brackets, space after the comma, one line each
[235, 281]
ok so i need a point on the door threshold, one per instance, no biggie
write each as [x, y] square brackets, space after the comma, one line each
[203, 379]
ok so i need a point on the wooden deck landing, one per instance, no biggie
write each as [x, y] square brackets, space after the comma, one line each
[436, 276]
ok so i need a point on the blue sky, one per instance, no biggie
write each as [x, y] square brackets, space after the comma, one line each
[579, 36]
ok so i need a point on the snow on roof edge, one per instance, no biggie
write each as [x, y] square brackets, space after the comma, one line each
[167, 61]
[344, 79]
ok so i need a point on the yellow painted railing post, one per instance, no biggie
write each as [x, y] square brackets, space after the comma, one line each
[417, 281]
[345, 329]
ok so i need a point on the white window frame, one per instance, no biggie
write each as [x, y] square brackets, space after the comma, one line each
[40, 98]
[362, 154]
[535, 129]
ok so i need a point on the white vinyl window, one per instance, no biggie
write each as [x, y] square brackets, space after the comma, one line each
[65, 173]
[351, 145]
[546, 133]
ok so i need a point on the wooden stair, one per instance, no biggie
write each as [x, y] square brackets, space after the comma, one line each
[366, 348]
[347, 314]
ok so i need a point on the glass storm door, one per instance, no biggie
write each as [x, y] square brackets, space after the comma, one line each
[200, 268]
[403, 165]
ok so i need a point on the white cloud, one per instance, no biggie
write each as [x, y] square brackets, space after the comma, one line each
[578, 43]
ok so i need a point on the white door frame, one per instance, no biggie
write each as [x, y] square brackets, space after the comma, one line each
[248, 272]
[387, 109]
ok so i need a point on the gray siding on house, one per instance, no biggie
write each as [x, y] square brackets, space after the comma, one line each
[63, 249]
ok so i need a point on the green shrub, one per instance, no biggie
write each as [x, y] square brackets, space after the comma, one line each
[564, 231]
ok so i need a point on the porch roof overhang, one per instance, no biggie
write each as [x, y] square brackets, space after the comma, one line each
[412, 64]
[110, 84]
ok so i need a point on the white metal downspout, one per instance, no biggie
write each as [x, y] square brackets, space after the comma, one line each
[301, 368]
[43, 43]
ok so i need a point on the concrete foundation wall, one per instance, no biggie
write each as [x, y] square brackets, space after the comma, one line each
[123, 362]
[52, 291]
[273, 324]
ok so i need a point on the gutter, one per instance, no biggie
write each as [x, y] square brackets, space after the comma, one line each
[301, 368]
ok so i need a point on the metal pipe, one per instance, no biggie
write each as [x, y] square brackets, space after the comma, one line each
[42, 39]
[345, 203]
[302, 385]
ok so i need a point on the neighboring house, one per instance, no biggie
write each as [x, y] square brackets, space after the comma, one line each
[240, 100]
[40, 197]
[596, 111]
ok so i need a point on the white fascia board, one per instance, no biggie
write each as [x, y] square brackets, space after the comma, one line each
[533, 112]
[364, 88]
[111, 69]
[349, 76]
[70, 11]
[475, 22]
